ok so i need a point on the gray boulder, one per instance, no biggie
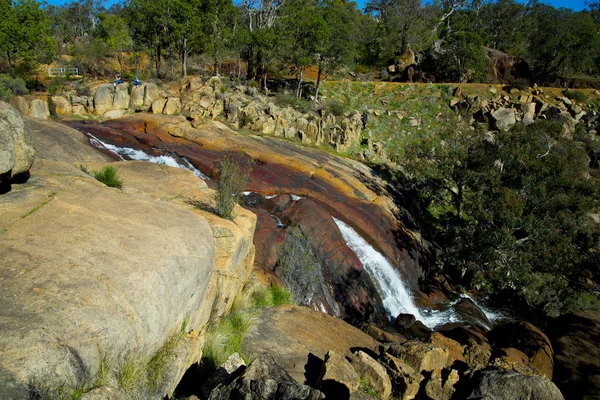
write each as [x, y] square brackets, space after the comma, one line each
[16, 146]
[103, 98]
[121, 99]
[38, 109]
[499, 384]
[151, 93]
[504, 118]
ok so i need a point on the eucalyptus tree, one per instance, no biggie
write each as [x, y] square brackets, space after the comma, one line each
[113, 30]
[24, 33]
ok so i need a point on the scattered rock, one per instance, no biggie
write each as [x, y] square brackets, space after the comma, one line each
[504, 118]
[373, 374]
[264, 379]
[337, 372]
[226, 373]
[500, 384]
[420, 356]
[112, 114]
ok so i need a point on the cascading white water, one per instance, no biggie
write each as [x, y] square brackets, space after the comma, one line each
[127, 153]
[394, 293]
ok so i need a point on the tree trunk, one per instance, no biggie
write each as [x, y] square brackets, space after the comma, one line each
[250, 72]
[299, 87]
[184, 58]
[318, 84]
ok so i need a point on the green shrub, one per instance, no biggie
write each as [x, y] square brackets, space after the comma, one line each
[300, 268]
[576, 95]
[335, 107]
[225, 338]
[232, 180]
[10, 86]
[109, 175]
[288, 100]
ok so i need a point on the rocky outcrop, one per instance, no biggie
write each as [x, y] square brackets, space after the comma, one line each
[264, 379]
[16, 148]
[299, 338]
[344, 188]
[92, 273]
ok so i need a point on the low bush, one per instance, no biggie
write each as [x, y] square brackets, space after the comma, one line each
[336, 108]
[10, 86]
[576, 95]
[232, 180]
[300, 268]
[289, 100]
[109, 175]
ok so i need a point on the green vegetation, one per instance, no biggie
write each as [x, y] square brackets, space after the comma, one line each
[158, 364]
[10, 86]
[511, 213]
[232, 180]
[576, 95]
[109, 175]
[300, 268]
[270, 296]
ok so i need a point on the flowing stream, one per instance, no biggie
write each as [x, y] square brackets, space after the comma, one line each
[127, 153]
[396, 297]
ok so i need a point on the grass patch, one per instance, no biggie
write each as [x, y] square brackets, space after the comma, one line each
[157, 366]
[109, 175]
[271, 296]
[224, 337]
[34, 209]
[131, 374]
[576, 95]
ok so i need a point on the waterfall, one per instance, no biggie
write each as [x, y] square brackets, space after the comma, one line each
[394, 292]
[127, 153]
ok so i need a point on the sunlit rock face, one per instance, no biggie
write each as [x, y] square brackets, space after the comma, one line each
[335, 186]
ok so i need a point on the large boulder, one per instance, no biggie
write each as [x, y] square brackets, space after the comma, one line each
[103, 98]
[16, 146]
[121, 99]
[575, 339]
[494, 384]
[372, 373]
[172, 106]
[470, 313]
[338, 376]
[20, 104]
[151, 93]
[62, 105]
[38, 109]
[93, 272]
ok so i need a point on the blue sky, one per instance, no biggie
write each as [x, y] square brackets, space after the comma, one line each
[576, 5]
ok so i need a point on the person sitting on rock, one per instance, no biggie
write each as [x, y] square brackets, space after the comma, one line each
[136, 81]
[118, 80]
